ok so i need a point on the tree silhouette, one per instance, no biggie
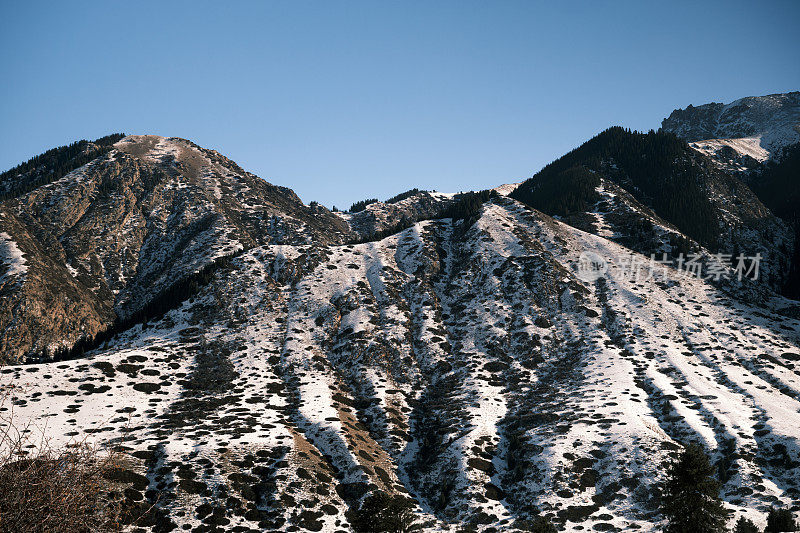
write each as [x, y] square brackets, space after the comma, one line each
[780, 520]
[690, 495]
[53, 165]
[744, 525]
[362, 204]
[403, 195]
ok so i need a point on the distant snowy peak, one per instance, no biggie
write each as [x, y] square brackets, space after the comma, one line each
[742, 133]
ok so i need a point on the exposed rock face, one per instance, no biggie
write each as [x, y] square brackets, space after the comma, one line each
[41, 304]
[138, 219]
[774, 118]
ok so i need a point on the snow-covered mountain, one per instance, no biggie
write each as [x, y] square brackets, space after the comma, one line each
[463, 359]
[743, 133]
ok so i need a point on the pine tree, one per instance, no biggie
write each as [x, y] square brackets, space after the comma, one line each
[403, 196]
[744, 525]
[780, 520]
[690, 495]
[656, 167]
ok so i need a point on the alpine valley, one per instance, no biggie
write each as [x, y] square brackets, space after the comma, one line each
[267, 365]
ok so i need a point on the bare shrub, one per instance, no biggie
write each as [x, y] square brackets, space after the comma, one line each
[43, 488]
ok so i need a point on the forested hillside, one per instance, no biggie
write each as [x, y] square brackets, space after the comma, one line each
[659, 169]
[778, 186]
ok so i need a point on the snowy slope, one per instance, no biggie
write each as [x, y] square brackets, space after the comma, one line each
[464, 364]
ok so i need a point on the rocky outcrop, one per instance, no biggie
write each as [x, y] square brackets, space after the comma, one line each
[382, 216]
[42, 305]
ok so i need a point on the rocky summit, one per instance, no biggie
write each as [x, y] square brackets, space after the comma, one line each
[266, 365]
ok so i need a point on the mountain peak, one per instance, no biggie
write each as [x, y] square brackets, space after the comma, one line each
[118, 223]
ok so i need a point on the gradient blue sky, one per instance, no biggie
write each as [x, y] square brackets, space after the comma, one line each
[347, 100]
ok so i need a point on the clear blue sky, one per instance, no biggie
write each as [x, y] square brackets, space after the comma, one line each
[346, 100]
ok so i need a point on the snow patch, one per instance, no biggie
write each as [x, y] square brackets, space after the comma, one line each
[749, 146]
[12, 257]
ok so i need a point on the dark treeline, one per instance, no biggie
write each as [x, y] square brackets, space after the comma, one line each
[362, 204]
[656, 167]
[466, 206]
[53, 165]
[169, 299]
[777, 185]
[403, 196]
[567, 191]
